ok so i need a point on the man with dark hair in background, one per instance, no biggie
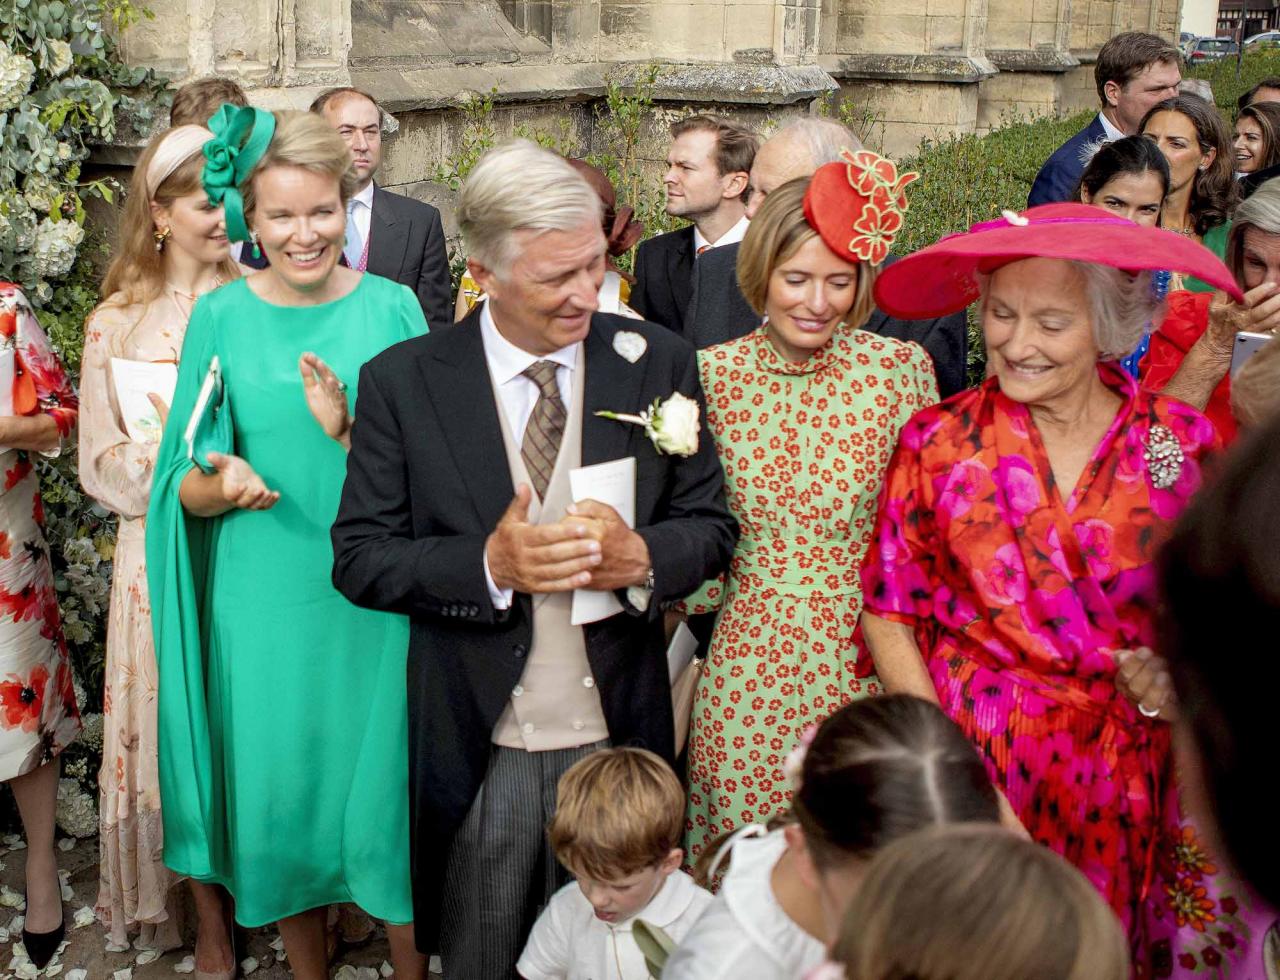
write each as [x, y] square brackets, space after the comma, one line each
[1134, 71]
[707, 172]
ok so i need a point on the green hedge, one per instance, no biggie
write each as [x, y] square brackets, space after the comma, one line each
[1227, 88]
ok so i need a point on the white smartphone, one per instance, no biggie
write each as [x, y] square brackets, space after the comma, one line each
[1247, 344]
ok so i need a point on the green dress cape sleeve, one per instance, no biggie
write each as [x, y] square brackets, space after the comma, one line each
[180, 551]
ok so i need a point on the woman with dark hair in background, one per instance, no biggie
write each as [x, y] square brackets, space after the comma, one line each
[1256, 145]
[1202, 185]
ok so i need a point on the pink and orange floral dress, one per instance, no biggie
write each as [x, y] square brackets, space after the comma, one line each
[1018, 595]
[804, 447]
[38, 716]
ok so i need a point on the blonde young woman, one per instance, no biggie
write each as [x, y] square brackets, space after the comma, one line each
[172, 249]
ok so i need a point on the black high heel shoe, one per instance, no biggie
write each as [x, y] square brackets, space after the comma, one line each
[41, 946]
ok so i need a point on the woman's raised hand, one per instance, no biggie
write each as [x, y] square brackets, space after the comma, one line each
[326, 398]
[241, 486]
[1260, 313]
[1143, 677]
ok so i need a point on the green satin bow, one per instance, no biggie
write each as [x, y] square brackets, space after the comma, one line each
[230, 158]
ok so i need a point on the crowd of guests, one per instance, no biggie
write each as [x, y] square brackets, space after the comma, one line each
[393, 595]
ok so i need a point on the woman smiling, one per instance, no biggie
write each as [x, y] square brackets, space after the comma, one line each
[804, 412]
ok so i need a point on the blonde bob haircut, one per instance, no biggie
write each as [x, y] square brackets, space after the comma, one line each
[976, 902]
[519, 186]
[776, 233]
[307, 141]
[618, 811]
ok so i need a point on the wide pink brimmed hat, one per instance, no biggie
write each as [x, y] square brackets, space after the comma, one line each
[943, 278]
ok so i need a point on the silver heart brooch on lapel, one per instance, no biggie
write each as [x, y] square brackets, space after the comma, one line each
[630, 345]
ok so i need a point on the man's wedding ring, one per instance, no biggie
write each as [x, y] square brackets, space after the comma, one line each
[342, 386]
[1148, 712]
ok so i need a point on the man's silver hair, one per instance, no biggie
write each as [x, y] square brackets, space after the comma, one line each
[824, 138]
[1122, 306]
[519, 186]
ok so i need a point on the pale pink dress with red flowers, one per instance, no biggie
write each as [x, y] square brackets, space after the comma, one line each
[1018, 593]
[38, 716]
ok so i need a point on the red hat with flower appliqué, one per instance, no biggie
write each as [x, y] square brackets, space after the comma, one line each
[857, 204]
[945, 277]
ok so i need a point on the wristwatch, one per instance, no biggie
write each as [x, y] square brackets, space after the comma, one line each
[641, 595]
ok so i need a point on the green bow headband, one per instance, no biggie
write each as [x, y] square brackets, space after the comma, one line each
[230, 157]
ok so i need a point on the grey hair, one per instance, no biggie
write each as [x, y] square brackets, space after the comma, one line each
[824, 138]
[1260, 210]
[1122, 306]
[519, 186]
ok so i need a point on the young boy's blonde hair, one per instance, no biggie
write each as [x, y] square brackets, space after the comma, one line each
[618, 811]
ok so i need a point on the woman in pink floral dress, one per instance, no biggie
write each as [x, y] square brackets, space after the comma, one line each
[1011, 575]
[38, 716]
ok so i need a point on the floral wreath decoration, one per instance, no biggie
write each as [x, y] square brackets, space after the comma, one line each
[861, 193]
[241, 136]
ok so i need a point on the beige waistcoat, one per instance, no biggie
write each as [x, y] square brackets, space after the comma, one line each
[556, 704]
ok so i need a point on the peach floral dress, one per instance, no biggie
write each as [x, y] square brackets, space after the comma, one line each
[135, 888]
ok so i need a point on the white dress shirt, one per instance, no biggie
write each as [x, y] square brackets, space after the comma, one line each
[734, 234]
[569, 942]
[1113, 134]
[517, 395]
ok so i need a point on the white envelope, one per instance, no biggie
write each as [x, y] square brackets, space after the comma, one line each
[680, 652]
[612, 483]
[134, 380]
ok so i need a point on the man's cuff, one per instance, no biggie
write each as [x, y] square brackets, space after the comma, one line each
[501, 598]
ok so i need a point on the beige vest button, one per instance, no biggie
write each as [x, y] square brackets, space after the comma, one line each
[517, 691]
[528, 728]
[588, 682]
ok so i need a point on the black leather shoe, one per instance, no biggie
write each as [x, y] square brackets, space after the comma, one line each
[41, 946]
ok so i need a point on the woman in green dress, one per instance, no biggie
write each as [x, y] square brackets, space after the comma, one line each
[805, 414]
[282, 720]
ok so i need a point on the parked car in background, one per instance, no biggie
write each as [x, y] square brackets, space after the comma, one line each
[1267, 39]
[1184, 37]
[1204, 49]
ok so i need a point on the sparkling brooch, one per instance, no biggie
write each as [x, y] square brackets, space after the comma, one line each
[1164, 457]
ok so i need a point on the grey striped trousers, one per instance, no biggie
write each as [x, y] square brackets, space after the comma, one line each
[500, 872]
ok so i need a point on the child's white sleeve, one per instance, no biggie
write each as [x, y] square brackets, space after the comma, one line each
[546, 955]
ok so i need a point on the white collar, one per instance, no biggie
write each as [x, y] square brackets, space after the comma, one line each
[365, 196]
[506, 360]
[748, 891]
[734, 234]
[668, 905]
[1113, 134]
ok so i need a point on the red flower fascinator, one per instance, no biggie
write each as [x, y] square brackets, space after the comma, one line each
[857, 203]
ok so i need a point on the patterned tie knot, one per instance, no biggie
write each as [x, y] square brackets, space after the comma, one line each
[543, 374]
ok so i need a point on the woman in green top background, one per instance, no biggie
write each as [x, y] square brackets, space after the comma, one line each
[1202, 185]
[282, 720]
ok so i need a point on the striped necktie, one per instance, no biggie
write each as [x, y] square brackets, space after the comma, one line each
[545, 429]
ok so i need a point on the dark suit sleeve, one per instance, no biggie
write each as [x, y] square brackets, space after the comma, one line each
[377, 562]
[1057, 179]
[640, 300]
[947, 342]
[435, 287]
[695, 540]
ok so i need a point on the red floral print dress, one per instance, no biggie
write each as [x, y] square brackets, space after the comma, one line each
[1186, 319]
[38, 716]
[1018, 596]
[804, 447]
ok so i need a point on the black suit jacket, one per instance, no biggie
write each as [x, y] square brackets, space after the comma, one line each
[406, 245]
[664, 278]
[718, 312]
[427, 481]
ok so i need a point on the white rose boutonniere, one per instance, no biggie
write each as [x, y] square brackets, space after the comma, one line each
[672, 425]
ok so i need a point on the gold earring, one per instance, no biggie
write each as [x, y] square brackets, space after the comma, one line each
[161, 236]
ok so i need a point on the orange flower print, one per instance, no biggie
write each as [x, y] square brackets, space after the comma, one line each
[874, 233]
[1191, 904]
[6, 550]
[1192, 858]
[22, 699]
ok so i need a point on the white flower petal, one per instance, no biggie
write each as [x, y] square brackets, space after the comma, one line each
[630, 345]
[435, 966]
[125, 974]
[11, 899]
[116, 947]
[66, 844]
[53, 969]
[148, 956]
[77, 974]
[277, 944]
[345, 972]
[84, 916]
[185, 965]
[248, 965]
[387, 969]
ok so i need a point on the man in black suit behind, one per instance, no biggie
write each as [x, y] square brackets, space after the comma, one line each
[718, 312]
[457, 511]
[706, 183]
[388, 234]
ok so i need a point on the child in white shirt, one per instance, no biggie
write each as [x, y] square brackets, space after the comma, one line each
[617, 826]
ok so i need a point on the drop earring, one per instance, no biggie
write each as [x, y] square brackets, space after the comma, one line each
[161, 236]
[257, 250]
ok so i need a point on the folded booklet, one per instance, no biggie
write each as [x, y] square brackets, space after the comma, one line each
[209, 429]
[134, 381]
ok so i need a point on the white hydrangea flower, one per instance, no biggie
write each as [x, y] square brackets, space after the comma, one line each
[91, 735]
[77, 813]
[58, 57]
[16, 74]
[56, 244]
[40, 191]
[64, 151]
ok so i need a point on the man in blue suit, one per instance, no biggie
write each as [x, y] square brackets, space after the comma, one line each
[1133, 72]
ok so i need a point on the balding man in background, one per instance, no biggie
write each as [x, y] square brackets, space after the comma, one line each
[718, 311]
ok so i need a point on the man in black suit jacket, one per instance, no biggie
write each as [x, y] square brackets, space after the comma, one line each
[435, 523]
[706, 183]
[405, 238]
[718, 311]
[1133, 72]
